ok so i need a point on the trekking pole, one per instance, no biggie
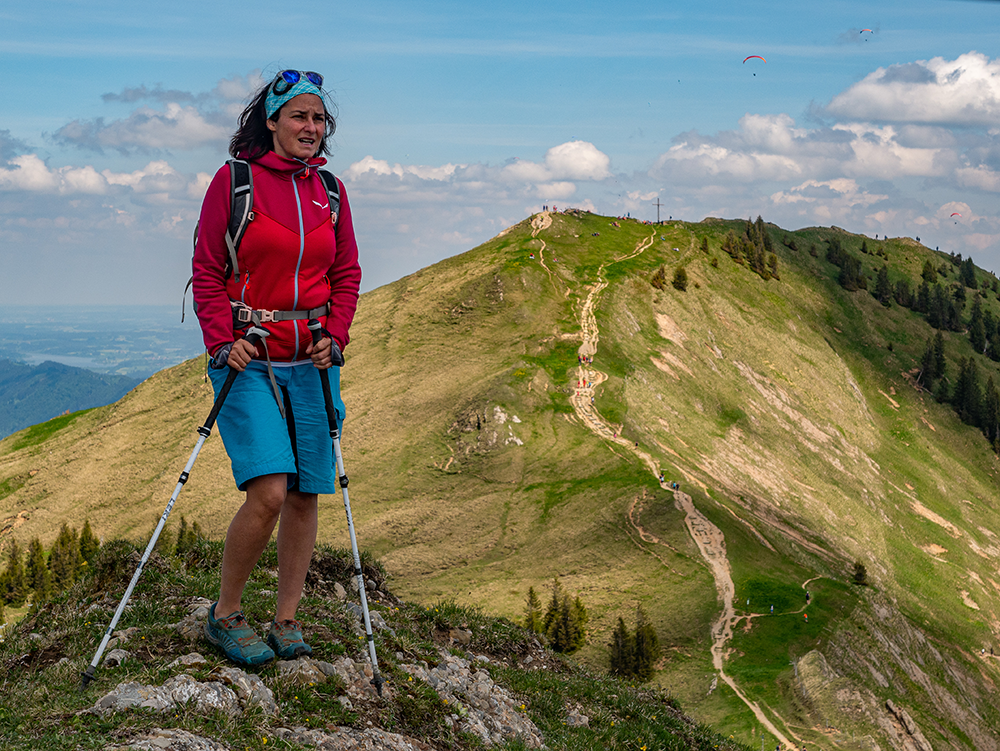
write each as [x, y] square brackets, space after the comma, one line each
[331, 417]
[253, 336]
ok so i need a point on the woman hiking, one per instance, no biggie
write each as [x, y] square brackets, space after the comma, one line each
[297, 260]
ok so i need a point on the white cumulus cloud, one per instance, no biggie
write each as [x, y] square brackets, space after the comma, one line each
[963, 91]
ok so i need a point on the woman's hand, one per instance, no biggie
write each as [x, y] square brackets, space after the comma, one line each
[325, 353]
[241, 354]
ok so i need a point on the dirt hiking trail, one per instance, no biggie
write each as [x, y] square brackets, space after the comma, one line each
[709, 539]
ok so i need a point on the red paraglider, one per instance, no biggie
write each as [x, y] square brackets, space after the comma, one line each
[751, 57]
[956, 214]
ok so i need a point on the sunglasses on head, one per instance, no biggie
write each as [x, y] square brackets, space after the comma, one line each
[286, 79]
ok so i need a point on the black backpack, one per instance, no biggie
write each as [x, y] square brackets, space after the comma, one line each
[241, 214]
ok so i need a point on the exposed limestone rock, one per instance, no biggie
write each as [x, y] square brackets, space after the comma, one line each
[249, 687]
[193, 660]
[916, 737]
[481, 706]
[115, 657]
[170, 740]
[177, 691]
[301, 672]
[349, 739]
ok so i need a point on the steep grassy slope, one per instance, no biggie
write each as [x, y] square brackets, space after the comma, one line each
[778, 405]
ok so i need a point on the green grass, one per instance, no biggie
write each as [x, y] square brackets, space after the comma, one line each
[43, 431]
[42, 702]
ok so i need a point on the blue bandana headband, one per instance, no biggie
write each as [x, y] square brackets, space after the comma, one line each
[274, 102]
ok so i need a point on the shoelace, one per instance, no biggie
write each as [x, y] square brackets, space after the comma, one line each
[287, 625]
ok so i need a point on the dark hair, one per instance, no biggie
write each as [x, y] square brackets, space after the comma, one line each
[253, 137]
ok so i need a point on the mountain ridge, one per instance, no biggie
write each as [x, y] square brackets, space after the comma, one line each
[777, 404]
[31, 394]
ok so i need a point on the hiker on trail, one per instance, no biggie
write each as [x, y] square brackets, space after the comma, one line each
[297, 260]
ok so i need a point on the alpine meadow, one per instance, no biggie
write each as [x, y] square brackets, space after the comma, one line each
[736, 427]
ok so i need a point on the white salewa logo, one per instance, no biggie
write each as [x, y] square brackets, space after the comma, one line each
[322, 205]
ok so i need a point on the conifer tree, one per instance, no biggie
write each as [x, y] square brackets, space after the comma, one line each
[622, 649]
[552, 611]
[942, 394]
[860, 574]
[659, 278]
[928, 274]
[704, 244]
[923, 301]
[967, 274]
[730, 244]
[39, 578]
[14, 583]
[937, 311]
[991, 411]
[967, 398]
[680, 280]
[64, 559]
[89, 544]
[533, 612]
[565, 636]
[989, 325]
[977, 326]
[928, 373]
[647, 647]
[564, 621]
[902, 293]
[940, 363]
[883, 290]
[772, 266]
[993, 347]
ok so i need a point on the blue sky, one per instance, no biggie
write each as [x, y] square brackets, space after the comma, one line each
[459, 119]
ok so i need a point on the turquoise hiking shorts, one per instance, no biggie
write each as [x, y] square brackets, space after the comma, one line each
[259, 442]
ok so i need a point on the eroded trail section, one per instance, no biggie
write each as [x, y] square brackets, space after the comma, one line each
[712, 546]
[709, 539]
[539, 222]
[588, 378]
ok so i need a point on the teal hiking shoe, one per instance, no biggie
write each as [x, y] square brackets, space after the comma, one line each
[234, 636]
[285, 638]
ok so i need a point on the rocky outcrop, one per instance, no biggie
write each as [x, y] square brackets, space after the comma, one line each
[480, 706]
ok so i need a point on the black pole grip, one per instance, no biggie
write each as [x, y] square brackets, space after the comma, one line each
[331, 415]
[254, 339]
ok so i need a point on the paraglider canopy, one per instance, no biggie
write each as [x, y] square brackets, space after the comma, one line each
[751, 57]
[956, 214]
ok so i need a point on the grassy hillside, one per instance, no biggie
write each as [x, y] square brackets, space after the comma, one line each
[786, 409]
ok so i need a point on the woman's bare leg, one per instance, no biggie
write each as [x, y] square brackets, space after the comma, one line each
[247, 537]
[296, 540]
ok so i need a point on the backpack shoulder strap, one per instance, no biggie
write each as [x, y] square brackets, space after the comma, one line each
[240, 215]
[240, 207]
[333, 192]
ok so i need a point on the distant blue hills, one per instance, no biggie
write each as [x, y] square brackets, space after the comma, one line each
[32, 394]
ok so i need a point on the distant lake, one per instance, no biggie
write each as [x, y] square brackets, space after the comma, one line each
[132, 340]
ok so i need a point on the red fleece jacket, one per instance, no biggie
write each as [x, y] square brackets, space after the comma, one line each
[290, 257]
